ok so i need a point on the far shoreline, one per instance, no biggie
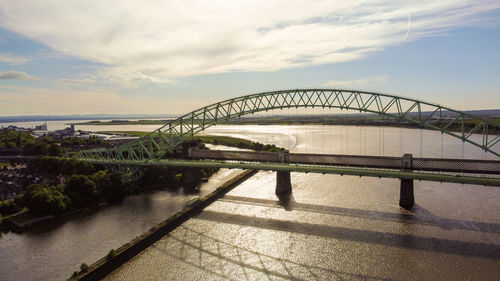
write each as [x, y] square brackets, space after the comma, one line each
[357, 120]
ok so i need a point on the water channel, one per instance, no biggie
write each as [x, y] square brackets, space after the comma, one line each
[334, 227]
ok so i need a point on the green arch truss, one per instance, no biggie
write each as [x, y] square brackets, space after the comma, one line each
[158, 143]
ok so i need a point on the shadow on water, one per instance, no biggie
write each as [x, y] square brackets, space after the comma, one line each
[199, 250]
[418, 215]
[382, 238]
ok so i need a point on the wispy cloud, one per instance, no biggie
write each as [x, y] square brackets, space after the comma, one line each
[163, 40]
[368, 82]
[12, 59]
[408, 31]
[15, 100]
[16, 75]
[76, 81]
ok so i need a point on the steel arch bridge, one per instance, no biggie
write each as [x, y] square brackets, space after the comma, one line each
[428, 115]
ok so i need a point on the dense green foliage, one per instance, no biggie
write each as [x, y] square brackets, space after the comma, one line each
[167, 175]
[88, 186]
[65, 166]
[46, 145]
[74, 141]
[109, 186]
[45, 199]
[9, 207]
[240, 143]
[81, 190]
[29, 145]
[42, 146]
[12, 138]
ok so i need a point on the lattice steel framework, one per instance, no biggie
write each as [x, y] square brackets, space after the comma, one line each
[158, 143]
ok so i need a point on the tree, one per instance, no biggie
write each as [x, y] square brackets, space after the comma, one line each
[115, 189]
[109, 185]
[55, 150]
[45, 199]
[8, 207]
[81, 190]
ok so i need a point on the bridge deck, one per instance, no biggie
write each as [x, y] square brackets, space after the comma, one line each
[323, 169]
[380, 162]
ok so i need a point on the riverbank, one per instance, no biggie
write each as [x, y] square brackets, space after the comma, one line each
[23, 222]
[152, 177]
[216, 140]
[117, 257]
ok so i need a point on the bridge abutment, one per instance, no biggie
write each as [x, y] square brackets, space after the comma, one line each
[406, 195]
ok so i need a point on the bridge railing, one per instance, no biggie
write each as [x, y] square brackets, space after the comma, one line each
[382, 162]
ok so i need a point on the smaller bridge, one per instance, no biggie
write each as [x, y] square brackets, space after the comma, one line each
[378, 162]
[406, 168]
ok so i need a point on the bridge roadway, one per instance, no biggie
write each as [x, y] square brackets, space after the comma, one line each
[481, 172]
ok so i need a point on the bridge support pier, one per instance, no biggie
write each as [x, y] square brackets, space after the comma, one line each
[191, 177]
[406, 197]
[283, 183]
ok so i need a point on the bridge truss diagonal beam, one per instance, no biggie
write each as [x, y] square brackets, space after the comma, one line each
[163, 140]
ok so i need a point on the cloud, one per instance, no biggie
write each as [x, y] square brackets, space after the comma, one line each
[368, 82]
[76, 81]
[157, 41]
[16, 75]
[16, 100]
[12, 59]
[408, 31]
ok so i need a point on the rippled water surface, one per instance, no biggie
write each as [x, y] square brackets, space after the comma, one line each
[335, 227]
[331, 228]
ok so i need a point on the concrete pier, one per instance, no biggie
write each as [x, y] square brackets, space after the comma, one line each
[283, 183]
[191, 177]
[406, 196]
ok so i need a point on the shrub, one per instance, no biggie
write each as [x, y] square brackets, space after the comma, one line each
[56, 166]
[84, 267]
[111, 254]
[45, 199]
[81, 190]
[55, 150]
[109, 186]
[9, 207]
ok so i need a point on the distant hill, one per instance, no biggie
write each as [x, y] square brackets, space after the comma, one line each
[27, 118]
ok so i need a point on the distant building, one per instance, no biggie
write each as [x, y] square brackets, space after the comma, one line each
[67, 132]
[42, 127]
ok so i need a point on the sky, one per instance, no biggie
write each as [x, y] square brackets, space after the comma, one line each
[172, 57]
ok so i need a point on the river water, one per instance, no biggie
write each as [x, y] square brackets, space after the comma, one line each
[333, 227]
